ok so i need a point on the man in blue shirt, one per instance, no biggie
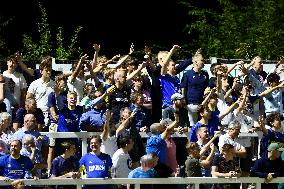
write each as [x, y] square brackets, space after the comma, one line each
[14, 165]
[193, 84]
[96, 164]
[156, 143]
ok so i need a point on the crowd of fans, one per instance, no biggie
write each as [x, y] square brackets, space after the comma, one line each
[122, 97]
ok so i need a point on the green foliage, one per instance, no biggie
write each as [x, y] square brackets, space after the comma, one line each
[34, 49]
[71, 52]
[3, 47]
[237, 29]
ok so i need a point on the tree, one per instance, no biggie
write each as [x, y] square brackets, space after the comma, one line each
[45, 46]
[237, 29]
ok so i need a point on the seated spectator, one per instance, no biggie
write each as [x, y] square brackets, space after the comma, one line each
[30, 108]
[66, 165]
[270, 167]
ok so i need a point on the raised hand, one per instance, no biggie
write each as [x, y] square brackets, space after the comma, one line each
[97, 47]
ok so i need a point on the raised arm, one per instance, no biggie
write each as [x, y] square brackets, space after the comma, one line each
[167, 59]
[122, 60]
[78, 68]
[105, 132]
[23, 66]
[228, 110]
[125, 123]
[97, 48]
[234, 66]
[270, 90]
[170, 127]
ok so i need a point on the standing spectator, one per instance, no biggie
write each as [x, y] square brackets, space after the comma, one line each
[15, 83]
[40, 89]
[193, 84]
[30, 108]
[269, 167]
[96, 164]
[122, 164]
[5, 105]
[5, 128]
[156, 143]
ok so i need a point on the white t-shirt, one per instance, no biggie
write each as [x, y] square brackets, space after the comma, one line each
[77, 86]
[121, 164]
[109, 146]
[225, 139]
[41, 90]
[222, 106]
[14, 92]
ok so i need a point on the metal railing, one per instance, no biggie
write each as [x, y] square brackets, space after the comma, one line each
[85, 135]
[137, 182]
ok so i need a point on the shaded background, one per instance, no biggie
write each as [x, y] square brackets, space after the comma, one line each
[113, 24]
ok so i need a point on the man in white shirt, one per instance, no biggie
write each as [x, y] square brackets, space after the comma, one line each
[41, 88]
[15, 83]
[122, 164]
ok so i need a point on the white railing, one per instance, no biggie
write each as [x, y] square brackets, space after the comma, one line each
[85, 135]
[137, 182]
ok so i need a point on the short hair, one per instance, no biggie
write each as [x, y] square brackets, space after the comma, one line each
[60, 77]
[271, 117]
[201, 127]
[233, 124]
[273, 77]
[72, 93]
[202, 108]
[227, 147]
[191, 145]
[13, 140]
[12, 58]
[4, 116]
[124, 141]
[97, 137]
[122, 110]
[145, 159]
[46, 62]
[134, 96]
[27, 137]
[154, 128]
[66, 145]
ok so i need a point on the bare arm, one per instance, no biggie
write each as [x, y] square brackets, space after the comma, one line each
[207, 162]
[167, 59]
[97, 48]
[134, 73]
[170, 127]
[122, 60]
[105, 132]
[234, 66]
[78, 68]
[270, 90]
[124, 124]
[227, 111]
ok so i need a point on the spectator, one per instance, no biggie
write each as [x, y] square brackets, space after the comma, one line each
[15, 83]
[96, 164]
[156, 142]
[66, 165]
[225, 165]
[5, 105]
[145, 170]
[14, 165]
[122, 164]
[193, 84]
[5, 128]
[30, 108]
[269, 167]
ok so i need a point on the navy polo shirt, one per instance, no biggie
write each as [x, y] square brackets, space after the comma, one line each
[195, 83]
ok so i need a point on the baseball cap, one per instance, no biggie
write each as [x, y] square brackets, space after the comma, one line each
[177, 96]
[275, 146]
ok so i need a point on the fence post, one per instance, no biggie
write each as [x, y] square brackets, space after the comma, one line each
[79, 186]
[84, 146]
[137, 186]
